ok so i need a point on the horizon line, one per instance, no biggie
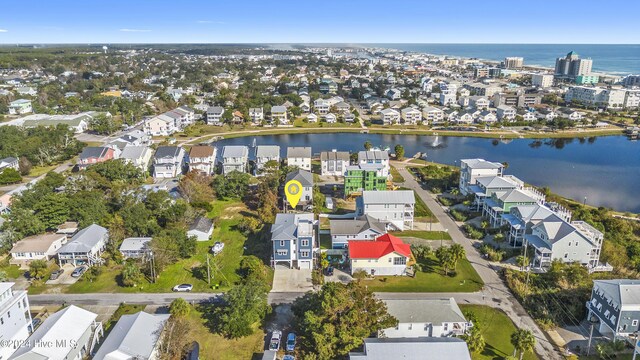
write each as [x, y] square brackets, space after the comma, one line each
[305, 43]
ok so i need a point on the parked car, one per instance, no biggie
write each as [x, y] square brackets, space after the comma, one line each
[328, 271]
[56, 274]
[217, 248]
[276, 336]
[77, 272]
[183, 288]
[291, 342]
[288, 357]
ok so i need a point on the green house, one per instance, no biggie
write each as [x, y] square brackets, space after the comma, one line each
[359, 178]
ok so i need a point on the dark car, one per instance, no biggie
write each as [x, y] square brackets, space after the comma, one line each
[291, 342]
[56, 274]
[328, 271]
[77, 272]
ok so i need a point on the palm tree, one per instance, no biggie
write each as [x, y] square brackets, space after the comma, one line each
[457, 252]
[523, 341]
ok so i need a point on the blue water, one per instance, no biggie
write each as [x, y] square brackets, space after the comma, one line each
[605, 170]
[614, 59]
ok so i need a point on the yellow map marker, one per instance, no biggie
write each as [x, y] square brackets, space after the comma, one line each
[293, 191]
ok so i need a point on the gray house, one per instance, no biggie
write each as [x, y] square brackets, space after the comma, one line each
[264, 154]
[135, 336]
[334, 162]
[135, 247]
[394, 208]
[202, 228]
[616, 304]
[168, 161]
[234, 158]
[306, 180]
[85, 247]
[363, 228]
[293, 237]
[214, 115]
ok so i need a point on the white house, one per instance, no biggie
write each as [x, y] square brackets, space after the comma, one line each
[321, 106]
[330, 118]
[426, 318]
[36, 247]
[9, 162]
[20, 106]
[279, 114]
[375, 157]
[168, 162]
[139, 156]
[135, 247]
[412, 349]
[506, 113]
[15, 319]
[334, 162]
[256, 115]
[306, 180]
[411, 116]
[85, 247]
[201, 228]
[202, 158]
[432, 115]
[395, 208]
[471, 169]
[264, 154]
[389, 116]
[214, 115]
[300, 157]
[234, 158]
[363, 228]
[386, 255]
[72, 333]
[137, 336]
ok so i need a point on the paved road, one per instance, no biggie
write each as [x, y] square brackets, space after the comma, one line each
[494, 288]
[115, 299]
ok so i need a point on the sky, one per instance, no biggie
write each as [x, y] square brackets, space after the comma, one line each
[322, 21]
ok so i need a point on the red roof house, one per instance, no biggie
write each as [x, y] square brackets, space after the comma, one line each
[386, 255]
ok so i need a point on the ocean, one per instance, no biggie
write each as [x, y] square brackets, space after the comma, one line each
[613, 59]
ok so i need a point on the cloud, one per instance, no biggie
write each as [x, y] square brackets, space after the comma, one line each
[210, 22]
[135, 30]
[3, 30]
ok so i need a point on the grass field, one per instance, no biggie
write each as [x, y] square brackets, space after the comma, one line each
[431, 280]
[421, 234]
[496, 327]
[226, 215]
[421, 211]
[395, 175]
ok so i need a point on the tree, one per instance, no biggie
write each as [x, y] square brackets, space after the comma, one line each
[399, 150]
[118, 170]
[104, 125]
[475, 340]
[446, 259]
[246, 304]
[10, 176]
[52, 210]
[367, 145]
[38, 269]
[337, 319]
[24, 166]
[179, 308]
[318, 200]
[195, 187]
[457, 253]
[523, 341]
[131, 274]
[231, 186]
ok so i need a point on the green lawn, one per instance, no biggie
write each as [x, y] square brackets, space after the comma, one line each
[13, 271]
[41, 170]
[422, 234]
[397, 178]
[325, 241]
[496, 328]
[123, 309]
[421, 210]
[432, 280]
[226, 215]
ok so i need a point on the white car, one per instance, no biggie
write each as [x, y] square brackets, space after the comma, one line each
[217, 248]
[276, 336]
[183, 288]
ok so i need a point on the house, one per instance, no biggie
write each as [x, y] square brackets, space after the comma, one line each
[214, 115]
[71, 325]
[412, 349]
[234, 158]
[375, 157]
[264, 154]
[95, 154]
[201, 228]
[425, 318]
[616, 304]
[306, 180]
[487, 185]
[393, 94]
[169, 122]
[411, 116]
[342, 107]
[471, 169]
[328, 86]
[322, 106]
[389, 116]
[168, 162]
[349, 117]
[202, 158]
[506, 113]
[78, 123]
[85, 247]
[135, 247]
[501, 202]
[395, 208]
[26, 90]
[557, 239]
[68, 228]
[486, 117]
[137, 336]
[9, 163]
[521, 220]
[570, 114]
[279, 114]
[36, 247]
[330, 118]
[386, 255]
[20, 107]
[305, 107]
[139, 156]
[312, 118]
[334, 162]
[363, 228]
[256, 115]
[432, 115]
[547, 114]
[465, 117]
[359, 178]
[479, 102]
[293, 238]
[15, 329]
[300, 157]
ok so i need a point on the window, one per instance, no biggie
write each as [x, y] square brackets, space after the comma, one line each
[304, 242]
[634, 323]
[282, 252]
[281, 242]
[9, 314]
[410, 326]
[607, 314]
[304, 253]
[613, 319]
[399, 261]
[566, 255]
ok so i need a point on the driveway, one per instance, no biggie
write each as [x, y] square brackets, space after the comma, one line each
[65, 278]
[291, 280]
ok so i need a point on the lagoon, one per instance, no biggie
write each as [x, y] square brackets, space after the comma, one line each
[605, 170]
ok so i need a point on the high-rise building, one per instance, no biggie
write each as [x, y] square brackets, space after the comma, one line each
[513, 62]
[572, 66]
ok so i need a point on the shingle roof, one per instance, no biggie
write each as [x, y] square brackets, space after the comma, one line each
[334, 155]
[286, 225]
[133, 152]
[201, 151]
[235, 151]
[93, 152]
[36, 243]
[621, 291]
[202, 224]
[267, 151]
[435, 311]
[357, 226]
[389, 197]
[298, 152]
[167, 152]
[303, 176]
[373, 155]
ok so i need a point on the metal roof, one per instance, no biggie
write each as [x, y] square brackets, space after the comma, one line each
[389, 197]
[133, 337]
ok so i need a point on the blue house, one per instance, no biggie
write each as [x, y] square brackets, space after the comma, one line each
[294, 240]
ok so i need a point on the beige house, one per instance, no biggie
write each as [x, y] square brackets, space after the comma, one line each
[387, 255]
[37, 247]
